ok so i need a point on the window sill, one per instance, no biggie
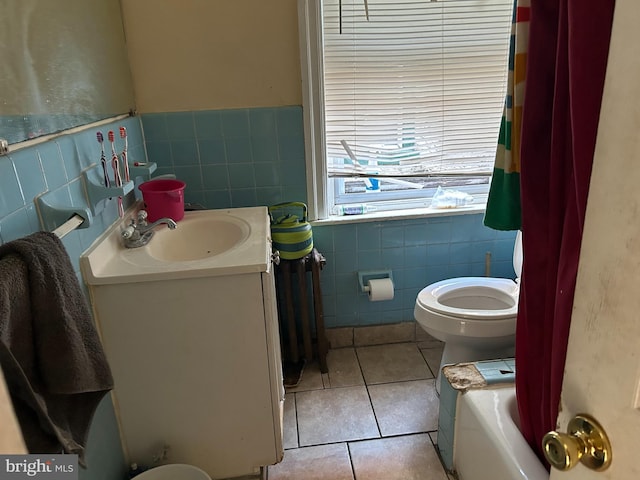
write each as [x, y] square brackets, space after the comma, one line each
[411, 213]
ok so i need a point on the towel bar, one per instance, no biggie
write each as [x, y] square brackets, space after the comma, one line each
[54, 218]
[69, 226]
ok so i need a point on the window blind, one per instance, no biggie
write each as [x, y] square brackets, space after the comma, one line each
[417, 89]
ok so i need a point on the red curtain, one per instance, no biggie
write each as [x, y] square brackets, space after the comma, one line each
[567, 57]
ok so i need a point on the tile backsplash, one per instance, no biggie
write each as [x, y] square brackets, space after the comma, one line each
[418, 251]
[231, 158]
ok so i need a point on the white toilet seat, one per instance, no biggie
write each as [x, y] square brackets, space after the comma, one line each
[472, 298]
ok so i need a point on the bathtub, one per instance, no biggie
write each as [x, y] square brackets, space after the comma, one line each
[488, 444]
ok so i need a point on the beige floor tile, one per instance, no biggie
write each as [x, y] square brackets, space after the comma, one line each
[433, 357]
[425, 340]
[322, 462]
[311, 379]
[392, 363]
[382, 334]
[410, 457]
[335, 415]
[290, 423]
[344, 369]
[340, 337]
[405, 407]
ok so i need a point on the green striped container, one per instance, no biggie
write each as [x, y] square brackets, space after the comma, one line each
[291, 235]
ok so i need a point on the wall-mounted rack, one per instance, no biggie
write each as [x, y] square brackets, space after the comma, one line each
[142, 169]
[97, 191]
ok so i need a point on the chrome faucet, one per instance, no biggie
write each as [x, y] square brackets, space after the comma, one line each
[138, 234]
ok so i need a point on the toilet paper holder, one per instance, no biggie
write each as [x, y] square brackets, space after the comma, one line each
[364, 277]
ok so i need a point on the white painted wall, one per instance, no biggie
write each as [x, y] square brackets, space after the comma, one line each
[213, 54]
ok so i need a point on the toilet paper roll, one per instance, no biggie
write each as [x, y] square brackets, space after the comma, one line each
[380, 289]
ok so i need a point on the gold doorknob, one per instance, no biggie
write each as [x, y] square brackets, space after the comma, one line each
[585, 442]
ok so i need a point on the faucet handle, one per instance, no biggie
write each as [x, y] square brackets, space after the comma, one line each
[142, 215]
[128, 232]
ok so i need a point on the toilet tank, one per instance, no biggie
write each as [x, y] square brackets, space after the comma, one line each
[518, 255]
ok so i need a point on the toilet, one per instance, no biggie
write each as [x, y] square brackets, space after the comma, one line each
[475, 317]
[174, 471]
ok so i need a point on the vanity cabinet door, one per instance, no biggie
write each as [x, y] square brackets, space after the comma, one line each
[196, 364]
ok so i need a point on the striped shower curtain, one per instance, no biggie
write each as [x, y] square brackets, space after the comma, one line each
[503, 205]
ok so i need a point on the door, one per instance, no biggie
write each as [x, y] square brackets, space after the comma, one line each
[603, 359]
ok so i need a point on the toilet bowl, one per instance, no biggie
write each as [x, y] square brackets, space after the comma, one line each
[174, 471]
[475, 317]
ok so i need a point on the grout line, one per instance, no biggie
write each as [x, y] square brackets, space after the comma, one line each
[425, 361]
[366, 386]
[357, 440]
[353, 469]
[392, 382]
[295, 412]
[422, 350]
[396, 435]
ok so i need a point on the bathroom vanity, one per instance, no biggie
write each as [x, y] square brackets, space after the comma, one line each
[189, 325]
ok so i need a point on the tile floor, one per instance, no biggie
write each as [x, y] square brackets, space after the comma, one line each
[374, 416]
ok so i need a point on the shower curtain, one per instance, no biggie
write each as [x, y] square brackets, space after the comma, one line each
[566, 63]
[503, 204]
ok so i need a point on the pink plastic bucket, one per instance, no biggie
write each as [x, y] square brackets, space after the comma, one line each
[163, 198]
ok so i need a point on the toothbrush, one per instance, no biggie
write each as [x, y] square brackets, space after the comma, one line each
[125, 162]
[116, 170]
[103, 160]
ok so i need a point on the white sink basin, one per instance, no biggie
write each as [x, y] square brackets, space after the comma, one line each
[199, 237]
[205, 243]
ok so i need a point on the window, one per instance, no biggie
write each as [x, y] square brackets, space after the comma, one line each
[401, 96]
